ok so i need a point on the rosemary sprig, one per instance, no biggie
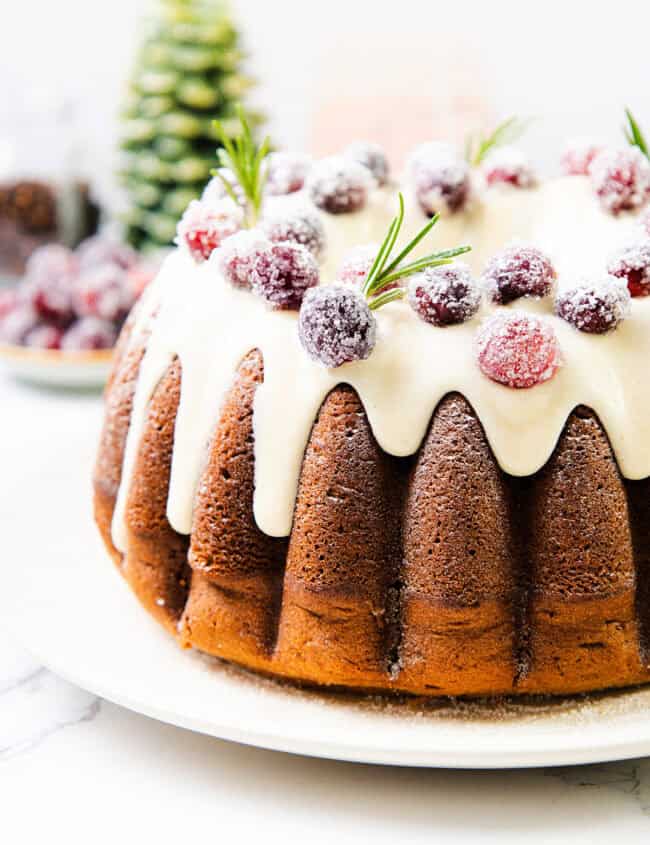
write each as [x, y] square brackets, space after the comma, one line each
[478, 146]
[244, 159]
[634, 135]
[382, 273]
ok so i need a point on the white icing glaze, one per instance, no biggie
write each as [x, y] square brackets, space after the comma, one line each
[211, 326]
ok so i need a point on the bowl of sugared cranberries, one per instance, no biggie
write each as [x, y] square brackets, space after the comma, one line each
[59, 325]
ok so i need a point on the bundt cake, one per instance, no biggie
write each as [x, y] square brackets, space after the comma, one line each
[413, 479]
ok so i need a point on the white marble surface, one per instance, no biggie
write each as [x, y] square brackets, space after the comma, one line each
[74, 768]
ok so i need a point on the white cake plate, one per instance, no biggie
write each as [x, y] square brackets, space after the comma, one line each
[63, 600]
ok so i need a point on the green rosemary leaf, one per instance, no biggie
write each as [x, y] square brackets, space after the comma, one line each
[389, 245]
[386, 297]
[634, 135]
[410, 246]
[506, 132]
[379, 259]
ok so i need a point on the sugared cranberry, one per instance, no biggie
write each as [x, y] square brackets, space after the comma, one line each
[215, 190]
[518, 271]
[300, 223]
[595, 307]
[444, 295]
[621, 179]
[239, 252]
[517, 350]
[282, 273]
[89, 333]
[355, 265]
[51, 263]
[578, 155]
[105, 250]
[336, 325]
[632, 264]
[339, 185]
[51, 298]
[371, 156]
[510, 166]
[103, 292]
[442, 179]
[286, 172]
[17, 323]
[205, 225]
[44, 337]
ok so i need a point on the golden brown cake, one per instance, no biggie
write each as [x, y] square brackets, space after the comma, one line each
[400, 523]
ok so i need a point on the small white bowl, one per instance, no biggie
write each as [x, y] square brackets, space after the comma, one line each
[53, 368]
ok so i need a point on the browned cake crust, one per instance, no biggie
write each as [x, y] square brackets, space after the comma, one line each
[437, 574]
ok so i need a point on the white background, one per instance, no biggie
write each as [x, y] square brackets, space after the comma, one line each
[396, 70]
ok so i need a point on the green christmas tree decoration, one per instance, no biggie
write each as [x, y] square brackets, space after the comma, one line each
[187, 73]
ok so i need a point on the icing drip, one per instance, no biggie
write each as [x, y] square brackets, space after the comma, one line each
[211, 326]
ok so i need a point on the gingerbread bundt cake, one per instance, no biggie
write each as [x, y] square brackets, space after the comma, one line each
[409, 480]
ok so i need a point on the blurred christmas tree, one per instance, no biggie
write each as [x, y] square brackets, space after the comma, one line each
[187, 73]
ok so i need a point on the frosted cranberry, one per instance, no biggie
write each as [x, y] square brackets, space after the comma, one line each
[355, 265]
[518, 271]
[339, 185]
[205, 225]
[371, 156]
[44, 337]
[444, 295]
[595, 307]
[632, 264]
[336, 325]
[239, 252]
[442, 180]
[89, 333]
[517, 350]
[51, 297]
[215, 190]
[578, 155]
[103, 292]
[299, 223]
[51, 263]
[101, 249]
[286, 172]
[18, 323]
[510, 166]
[621, 179]
[282, 273]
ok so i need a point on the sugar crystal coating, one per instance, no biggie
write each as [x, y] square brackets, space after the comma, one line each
[595, 307]
[632, 264]
[517, 271]
[355, 265]
[444, 296]
[371, 156]
[295, 221]
[517, 350]
[205, 225]
[215, 189]
[339, 185]
[621, 179]
[103, 291]
[336, 325]
[282, 273]
[509, 165]
[89, 333]
[441, 179]
[102, 249]
[237, 255]
[44, 336]
[52, 262]
[286, 172]
[577, 156]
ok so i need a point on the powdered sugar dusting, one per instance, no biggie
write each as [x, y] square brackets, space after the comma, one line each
[596, 306]
[632, 264]
[444, 295]
[336, 326]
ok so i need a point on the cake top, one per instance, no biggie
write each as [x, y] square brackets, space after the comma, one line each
[341, 279]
